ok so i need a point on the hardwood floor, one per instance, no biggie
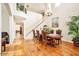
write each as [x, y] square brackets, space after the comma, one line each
[22, 47]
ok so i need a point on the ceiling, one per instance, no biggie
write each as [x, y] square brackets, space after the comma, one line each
[38, 7]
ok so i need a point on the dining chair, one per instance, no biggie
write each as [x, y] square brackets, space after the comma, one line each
[6, 36]
[59, 32]
[43, 36]
[52, 31]
[34, 36]
[46, 40]
[38, 35]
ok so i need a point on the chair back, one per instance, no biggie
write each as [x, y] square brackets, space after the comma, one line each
[52, 31]
[33, 33]
[38, 34]
[4, 34]
[44, 35]
[58, 32]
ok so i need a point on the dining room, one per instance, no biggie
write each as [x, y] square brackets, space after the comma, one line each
[51, 37]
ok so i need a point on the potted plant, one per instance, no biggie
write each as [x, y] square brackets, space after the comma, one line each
[74, 29]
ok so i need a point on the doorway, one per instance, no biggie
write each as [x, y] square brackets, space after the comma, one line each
[20, 30]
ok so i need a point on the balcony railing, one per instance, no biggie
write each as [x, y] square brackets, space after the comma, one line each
[21, 7]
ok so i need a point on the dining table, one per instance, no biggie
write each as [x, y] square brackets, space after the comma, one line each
[54, 37]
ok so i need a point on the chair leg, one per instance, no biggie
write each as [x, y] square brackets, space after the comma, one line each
[53, 43]
[4, 48]
[58, 42]
[35, 39]
[4, 45]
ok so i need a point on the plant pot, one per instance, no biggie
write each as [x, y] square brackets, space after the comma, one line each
[76, 41]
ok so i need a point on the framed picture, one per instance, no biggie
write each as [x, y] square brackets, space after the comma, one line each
[55, 22]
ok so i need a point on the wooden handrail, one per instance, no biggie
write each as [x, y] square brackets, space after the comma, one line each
[35, 27]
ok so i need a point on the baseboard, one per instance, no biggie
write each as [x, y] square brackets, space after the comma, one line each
[68, 40]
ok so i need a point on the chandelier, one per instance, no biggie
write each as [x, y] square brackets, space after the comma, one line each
[48, 11]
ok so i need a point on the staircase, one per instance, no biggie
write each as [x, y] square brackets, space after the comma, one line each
[35, 27]
[38, 24]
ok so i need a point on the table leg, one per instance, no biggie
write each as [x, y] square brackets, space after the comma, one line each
[53, 43]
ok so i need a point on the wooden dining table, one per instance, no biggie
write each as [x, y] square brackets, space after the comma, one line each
[54, 37]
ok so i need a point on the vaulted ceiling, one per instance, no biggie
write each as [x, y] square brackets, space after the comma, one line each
[38, 7]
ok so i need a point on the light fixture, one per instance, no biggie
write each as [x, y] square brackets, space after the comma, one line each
[48, 11]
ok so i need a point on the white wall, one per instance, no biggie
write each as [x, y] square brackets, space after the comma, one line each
[12, 29]
[0, 28]
[32, 20]
[5, 19]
